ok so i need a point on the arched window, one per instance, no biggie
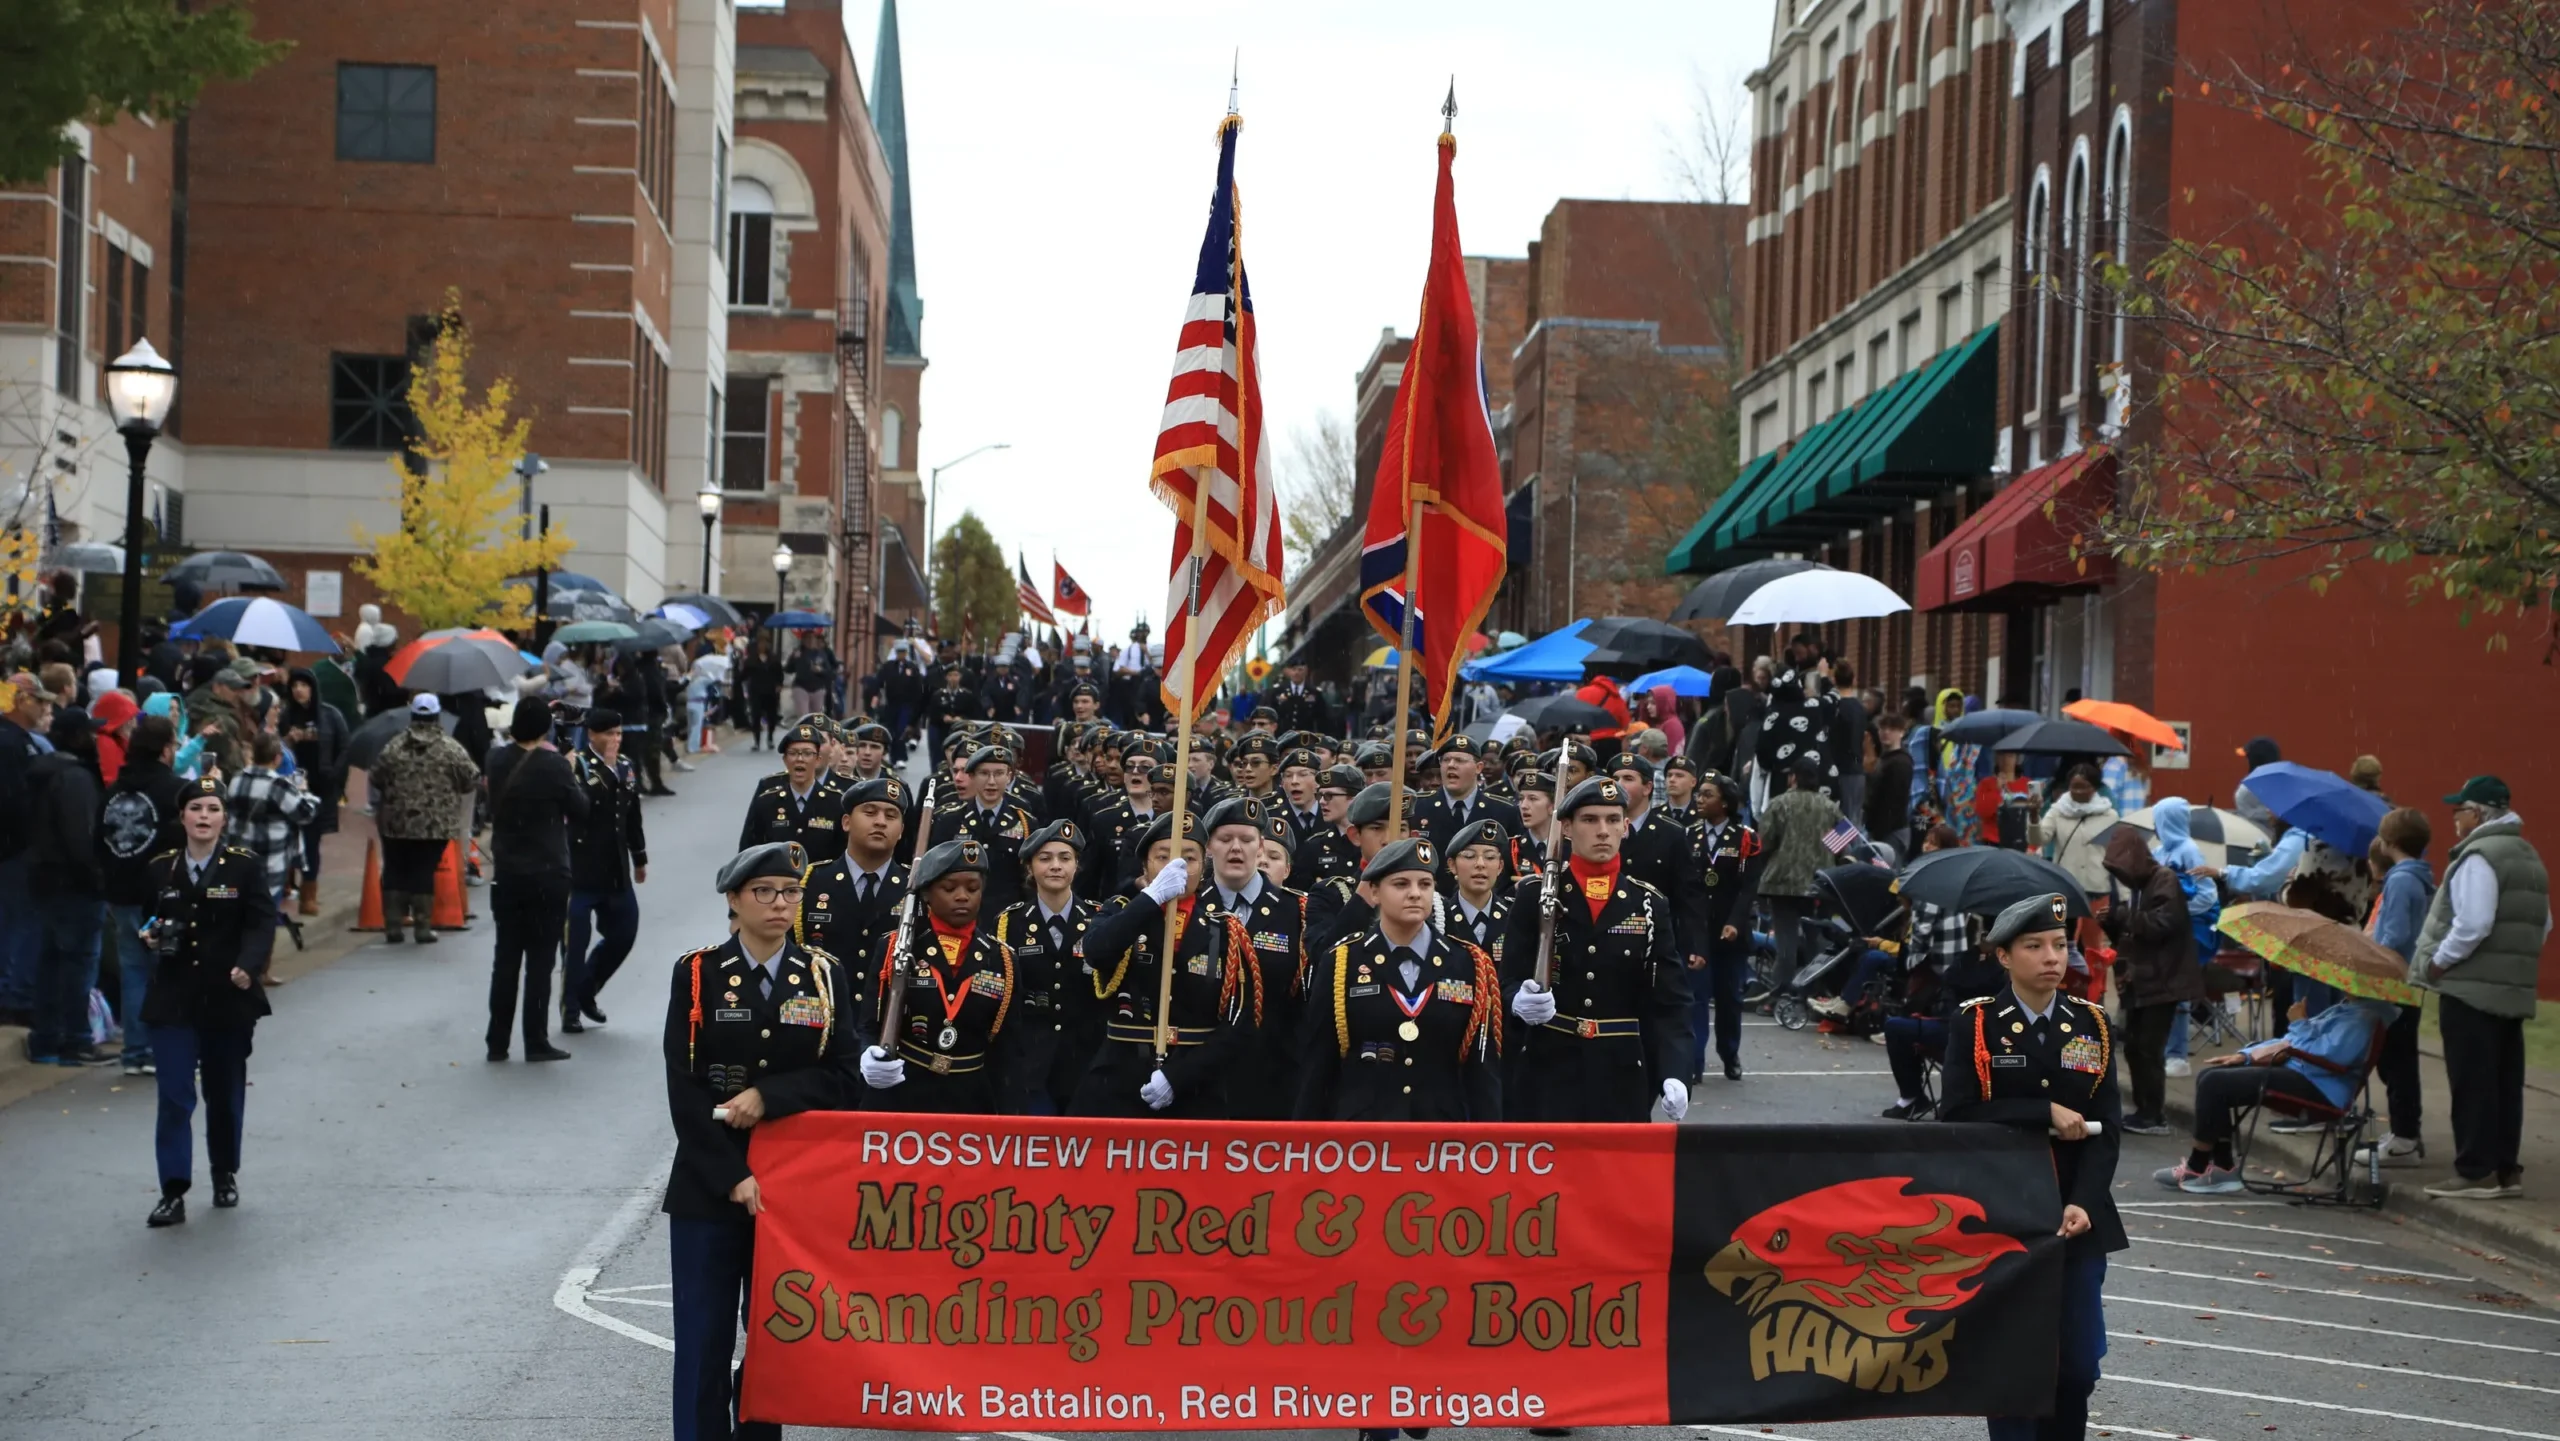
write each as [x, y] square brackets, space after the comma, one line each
[2075, 254]
[750, 242]
[2033, 261]
[2118, 235]
[892, 435]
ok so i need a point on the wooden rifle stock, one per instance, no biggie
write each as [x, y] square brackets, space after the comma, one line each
[1550, 899]
[902, 947]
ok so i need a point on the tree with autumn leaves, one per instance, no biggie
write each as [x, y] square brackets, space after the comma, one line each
[2375, 374]
[458, 539]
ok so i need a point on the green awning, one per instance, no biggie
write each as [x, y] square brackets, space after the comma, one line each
[1684, 555]
[1934, 425]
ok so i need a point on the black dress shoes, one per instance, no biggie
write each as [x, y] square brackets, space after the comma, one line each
[226, 1190]
[1733, 1070]
[593, 1015]
[172, 1211]
[545, 1053]
[570, 1024]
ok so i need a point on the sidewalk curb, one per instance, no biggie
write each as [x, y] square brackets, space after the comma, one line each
[2500, 1230]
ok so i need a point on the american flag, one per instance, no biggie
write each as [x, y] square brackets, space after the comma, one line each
[1069, 598]
[1210, 464]
[1033, 607]
[1839, 838]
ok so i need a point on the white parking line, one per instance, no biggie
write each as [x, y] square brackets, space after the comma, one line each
[2290, 1256]
[2220, 1313]
[572, 1294]
[2350, 1295]
[2097, 1426]
[2329, 1361]
[628, 1300]
[2331, 1406]
[1748, 1074]
[627, 1290]
[2259, 1226]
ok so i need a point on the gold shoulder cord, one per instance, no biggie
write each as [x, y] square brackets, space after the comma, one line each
[1004, 1004]
[800, 917]
[1341, 1005]
[822, 972]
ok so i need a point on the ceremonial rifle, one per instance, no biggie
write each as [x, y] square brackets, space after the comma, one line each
[902, 952]
[1551, 899]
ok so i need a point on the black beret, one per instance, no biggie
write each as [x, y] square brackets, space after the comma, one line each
[990, 756]
[1298, 759]
[1680, 762]
[1346, 779]
[1370, 807]
[1067, 831]
[1161, 829]
[2048, 912]
[872, 731]
[947, 859]
[1256, 744]
[1538, 781]
[773, 860]
[1582, 751]
[1233, 811]
[1461, 744]
[887, 788]
[1083, 687]
[1630, 761]
[603, 718]
[1481, 833]
[803, 734]
[205, 788]
[1597, 791]
[1413, 853]
[1262, 712]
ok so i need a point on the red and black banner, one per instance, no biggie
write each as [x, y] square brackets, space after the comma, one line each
[959, 1274]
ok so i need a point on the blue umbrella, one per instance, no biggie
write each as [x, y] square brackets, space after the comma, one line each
[2327, 804]
[1683, 679]
[259, 621]
[796, 620]
[566, 580]
[1553, 657]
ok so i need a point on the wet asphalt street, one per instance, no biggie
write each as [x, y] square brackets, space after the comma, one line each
[432, 1246]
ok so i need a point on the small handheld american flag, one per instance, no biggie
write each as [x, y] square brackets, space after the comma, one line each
[1839, 838]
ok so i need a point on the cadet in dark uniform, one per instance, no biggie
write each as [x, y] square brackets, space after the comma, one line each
[991, 816]
[2035, 1057]
[1255, 763]
[804, 804]
[1336, 911]
[1403, 1023]
[756, 1027]
[1261, 1082]
[608, 856]
[1461, 801]
[1610, 1036]
[959, 985]
[213, 925]
[1049, 1043]
[850, 902]
[1536, 793]
[1730, 860]
[1300, 805]
[1661, 851]
[1328, 850]
[1217, 993]
[1478, 906]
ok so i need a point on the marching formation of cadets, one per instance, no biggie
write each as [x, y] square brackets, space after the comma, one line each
[996, 944]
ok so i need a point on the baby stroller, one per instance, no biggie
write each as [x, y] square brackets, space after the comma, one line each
[1851, 903]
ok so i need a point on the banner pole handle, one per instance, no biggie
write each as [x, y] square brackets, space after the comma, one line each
[1404, 670]
[1181, 784]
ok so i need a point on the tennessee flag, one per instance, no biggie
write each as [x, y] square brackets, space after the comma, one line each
[1439, 458]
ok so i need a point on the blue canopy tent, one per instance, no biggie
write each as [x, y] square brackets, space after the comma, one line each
[1554, 657]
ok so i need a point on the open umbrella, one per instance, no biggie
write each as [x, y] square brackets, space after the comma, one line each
[447, 661]
[593, 632]
[2227, 838]
[719, 611]
[1383, 658]
[1716, 597]
[1817, 597]
[365, 746]
[226, 570]
[2311, 944]
[565, 580]
[1565, 712]
[2131, 721]
[1985, 727]
[689, 616]
[1685, 680]
[2060, 738]
[1985, 880]
[651, 634]
[259, 621]
[94, 557]
[2327, 804]
[1631, 645]
[584, 605]
[796, 620]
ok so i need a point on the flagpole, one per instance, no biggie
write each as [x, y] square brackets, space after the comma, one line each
[1181, 784]
[1404, 655]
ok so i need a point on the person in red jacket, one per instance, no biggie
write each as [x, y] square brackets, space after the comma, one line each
[1603, 692]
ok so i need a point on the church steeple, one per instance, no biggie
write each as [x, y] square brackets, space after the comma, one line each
[889, 119]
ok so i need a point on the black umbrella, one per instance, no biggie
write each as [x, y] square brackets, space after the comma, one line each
[1715, 597]
[651, 634]
[1634, 645]
[226, 570]
[1984, 727]
[365, 746]
[1563, 711]
[722, 613]
[568, 606]
[1986, 880]
[2061, 738]
[461, 665]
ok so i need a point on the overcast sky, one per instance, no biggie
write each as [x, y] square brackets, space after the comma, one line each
[1063, 156]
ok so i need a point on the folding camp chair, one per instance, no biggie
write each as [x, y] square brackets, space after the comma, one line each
[2331, 1177]
[2231, 973]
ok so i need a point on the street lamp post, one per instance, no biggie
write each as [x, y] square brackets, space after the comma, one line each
[781, 577]
[140, 388]
[932, 502]
[709, 502]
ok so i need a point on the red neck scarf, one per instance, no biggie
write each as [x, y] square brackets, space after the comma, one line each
[1598, 880]
[955, 939]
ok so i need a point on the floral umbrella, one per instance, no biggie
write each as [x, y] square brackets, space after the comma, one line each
[2325, 950]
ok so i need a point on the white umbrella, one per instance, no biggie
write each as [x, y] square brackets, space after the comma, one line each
[1814, 597]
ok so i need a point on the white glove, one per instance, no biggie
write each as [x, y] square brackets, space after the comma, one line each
[1157, 1092]
[1675, 1099]
[1170, 883]
[1533, 1005]
[880, 1070]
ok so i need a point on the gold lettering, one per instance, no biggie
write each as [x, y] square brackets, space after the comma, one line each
[882, 1220]
[968, 1223]
[1158, 1213]
[1492, 1324]
[1330, 1322]
[1533, 1231]
[1151, 1304]
[1614, 1324]
[1411, 1315]
[862, 1317]
[793, 1315]
[1322, 1234]
[1408, 1234]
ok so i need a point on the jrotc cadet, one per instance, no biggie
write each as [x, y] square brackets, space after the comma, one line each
[1329, 851]
[804, 804]
[1263, 721]
[1206, 788]
[849, 903]
[1255, 764]
[1068, 788]
[755, 1029]
[1261, 1085]
[1479, 912]
[991, 816]
[1278, 849]
[1537, 791]
[1608, 1036]
[1084, 700]
[1336, 911]
[1663, 853]
[1402, 1023]
[1023, 789]
[952, 706]
[1300, 780]
[1376, 762]
[869, 746]
[1576, 762]
[1730, 861]
[1461, 801]
[956, 985]
[212, 928]
[1300, 705]
[1217, 995]
[1048, 1045]
[1679, 798]
[2040, 1059]
[608, 855]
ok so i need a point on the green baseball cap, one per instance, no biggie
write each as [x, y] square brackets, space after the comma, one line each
[2486, 791]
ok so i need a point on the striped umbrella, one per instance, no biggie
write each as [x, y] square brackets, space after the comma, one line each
[2227, 838]
[259, 621]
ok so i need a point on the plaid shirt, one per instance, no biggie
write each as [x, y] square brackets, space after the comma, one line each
[1941, 940]
[267, 814]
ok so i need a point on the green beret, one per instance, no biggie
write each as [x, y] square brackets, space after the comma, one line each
[1413, 853]
[1346, 779]
[1066, 831]
[1370, 807]
[1256, 744]
[202, 789]
[1298, 759]
[1538, 781]
[1597, 791]
[947, 859]
[872, 731]
[879, 788]
[803, 734]
[1233, 811]
[1481, 833]
[989, 756]
[774, 860]
[2048, 912]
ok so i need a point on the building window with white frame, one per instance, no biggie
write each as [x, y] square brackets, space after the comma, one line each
[2118, 237]
[2075, 254]
[893, 427]
[2032, 258]
[750, 242]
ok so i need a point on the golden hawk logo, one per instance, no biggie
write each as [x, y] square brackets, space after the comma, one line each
[1858, 1282]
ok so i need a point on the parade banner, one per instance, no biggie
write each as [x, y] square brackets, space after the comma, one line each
[962, 1274]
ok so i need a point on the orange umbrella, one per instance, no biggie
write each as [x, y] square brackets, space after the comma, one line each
[2126, 720]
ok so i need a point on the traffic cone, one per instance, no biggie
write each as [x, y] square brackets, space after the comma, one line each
[448, 904]
[369, 909]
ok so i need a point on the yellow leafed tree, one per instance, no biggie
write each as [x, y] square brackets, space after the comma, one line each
[458, 541]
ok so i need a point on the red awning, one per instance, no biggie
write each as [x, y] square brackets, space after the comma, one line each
[2017, 549]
